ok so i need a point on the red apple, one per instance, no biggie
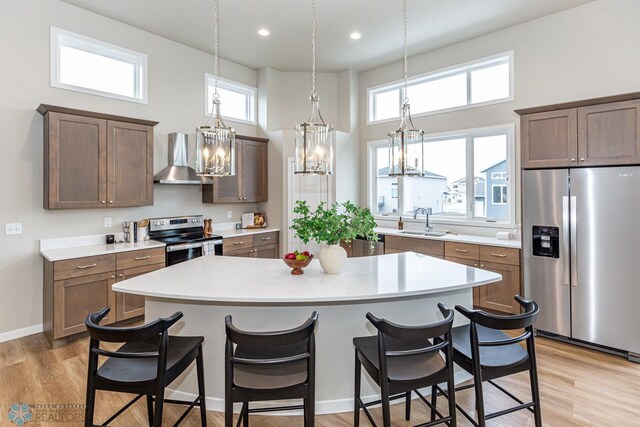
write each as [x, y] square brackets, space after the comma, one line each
[306, 253]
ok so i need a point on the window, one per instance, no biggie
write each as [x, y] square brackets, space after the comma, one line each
[466, 177]
[92, 66]
[498, 175]
[499, 194]
[481, 82]
[238, 101]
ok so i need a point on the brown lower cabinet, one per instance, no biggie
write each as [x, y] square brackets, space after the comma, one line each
[76, 287]
[358, 248]
[396, 244]
[497, 296]
[256, 245]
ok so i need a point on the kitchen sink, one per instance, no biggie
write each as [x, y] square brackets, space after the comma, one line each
[424, 233]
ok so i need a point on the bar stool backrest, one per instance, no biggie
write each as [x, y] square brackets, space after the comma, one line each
[510, 322]
[417, 337]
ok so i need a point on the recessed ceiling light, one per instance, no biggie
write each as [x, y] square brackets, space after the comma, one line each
[355, 35]
[263, 32]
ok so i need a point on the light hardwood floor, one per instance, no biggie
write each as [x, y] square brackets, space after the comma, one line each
[579, 387]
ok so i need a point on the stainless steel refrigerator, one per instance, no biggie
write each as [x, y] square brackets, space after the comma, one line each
[581, 250]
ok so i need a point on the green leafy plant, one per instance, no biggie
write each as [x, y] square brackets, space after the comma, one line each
[333, 224]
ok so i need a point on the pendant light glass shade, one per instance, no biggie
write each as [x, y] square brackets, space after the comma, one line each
[406, 147]
[215, 145]
[314, 144]
[315, 140]
[406, 144]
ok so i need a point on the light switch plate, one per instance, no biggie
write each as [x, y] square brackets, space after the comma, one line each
[107, 222]
[229, 214]
[13, 229]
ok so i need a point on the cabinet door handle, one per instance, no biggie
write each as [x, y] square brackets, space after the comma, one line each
[475, 265]
[140, 258]
[110, 201]
[103, 201]
[238, 243]
[464, 251]
[82, 267]
[498, 255]
[573, 160]
[582, 159]
[120, 275]
[266, 238]
[113, 277]
[482, 265]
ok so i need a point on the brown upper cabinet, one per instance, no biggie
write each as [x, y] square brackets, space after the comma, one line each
[249, 184]
[595, 132]
[94, 160]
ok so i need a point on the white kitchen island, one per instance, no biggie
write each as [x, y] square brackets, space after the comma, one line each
[261, 294]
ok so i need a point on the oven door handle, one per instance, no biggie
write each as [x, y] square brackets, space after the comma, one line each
[174, 248]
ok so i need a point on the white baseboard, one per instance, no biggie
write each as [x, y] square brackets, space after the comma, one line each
[19, 333]
[322, 407]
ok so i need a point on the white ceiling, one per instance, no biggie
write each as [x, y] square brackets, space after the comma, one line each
[432, 24]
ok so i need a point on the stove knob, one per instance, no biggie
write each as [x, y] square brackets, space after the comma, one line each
[155, 223]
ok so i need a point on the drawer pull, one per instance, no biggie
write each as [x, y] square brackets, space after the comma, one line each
[498, 255]
[266, 238]
[82, 267]
[140, 258]
[238, 243]
[464, 251]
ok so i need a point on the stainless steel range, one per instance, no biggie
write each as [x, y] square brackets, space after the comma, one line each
[184, 237]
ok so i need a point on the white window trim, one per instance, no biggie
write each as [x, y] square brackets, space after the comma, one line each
[493, 202]
[509, 128]
[77, 41]
[445, 72]
[498, 175]
[250, 91]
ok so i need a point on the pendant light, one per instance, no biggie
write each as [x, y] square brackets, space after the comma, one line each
[314, 138]
[215, 145]
[406, 135]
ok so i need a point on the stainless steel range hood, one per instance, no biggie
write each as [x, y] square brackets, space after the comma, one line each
[179, 171]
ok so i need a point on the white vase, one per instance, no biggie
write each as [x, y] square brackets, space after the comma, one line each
[332, 258]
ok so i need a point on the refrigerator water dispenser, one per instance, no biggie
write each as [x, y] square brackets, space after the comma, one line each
[546, 242]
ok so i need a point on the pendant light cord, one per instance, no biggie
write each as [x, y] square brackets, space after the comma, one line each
[314, 94]
[405, 99]
[215, 49]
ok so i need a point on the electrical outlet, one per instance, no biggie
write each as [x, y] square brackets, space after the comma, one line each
[229, 214]
[13, 229]
[107, 222]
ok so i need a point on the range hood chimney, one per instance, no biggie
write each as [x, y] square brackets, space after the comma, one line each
[179, 171]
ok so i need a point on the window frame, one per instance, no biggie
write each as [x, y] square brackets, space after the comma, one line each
[249, 91]
[60, 37]
[464, 68]
[470, 219]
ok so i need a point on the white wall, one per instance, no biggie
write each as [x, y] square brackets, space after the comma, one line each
[585, 52]
[176, 99]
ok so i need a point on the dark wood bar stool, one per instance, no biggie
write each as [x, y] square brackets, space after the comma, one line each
[402, 359]
[148, 361]
[483, 350]
[275, 365]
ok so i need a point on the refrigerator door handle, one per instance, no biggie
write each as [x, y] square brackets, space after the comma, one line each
[565, 241]
[573, 210]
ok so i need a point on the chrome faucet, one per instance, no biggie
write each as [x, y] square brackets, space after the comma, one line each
[426, 212]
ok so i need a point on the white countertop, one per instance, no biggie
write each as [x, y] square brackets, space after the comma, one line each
[460, 238]
[267, 281]
[101, 249]
[243, 231]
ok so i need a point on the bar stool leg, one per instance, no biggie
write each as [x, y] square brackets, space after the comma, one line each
[89, 409]
[245, 414]
[305, 404]
[203, 405]
[477, 380]
[386, 410]
[356, 403]
[434, 401]
[150, 409]
[157, 418]
[535, 394]
[407, 406]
